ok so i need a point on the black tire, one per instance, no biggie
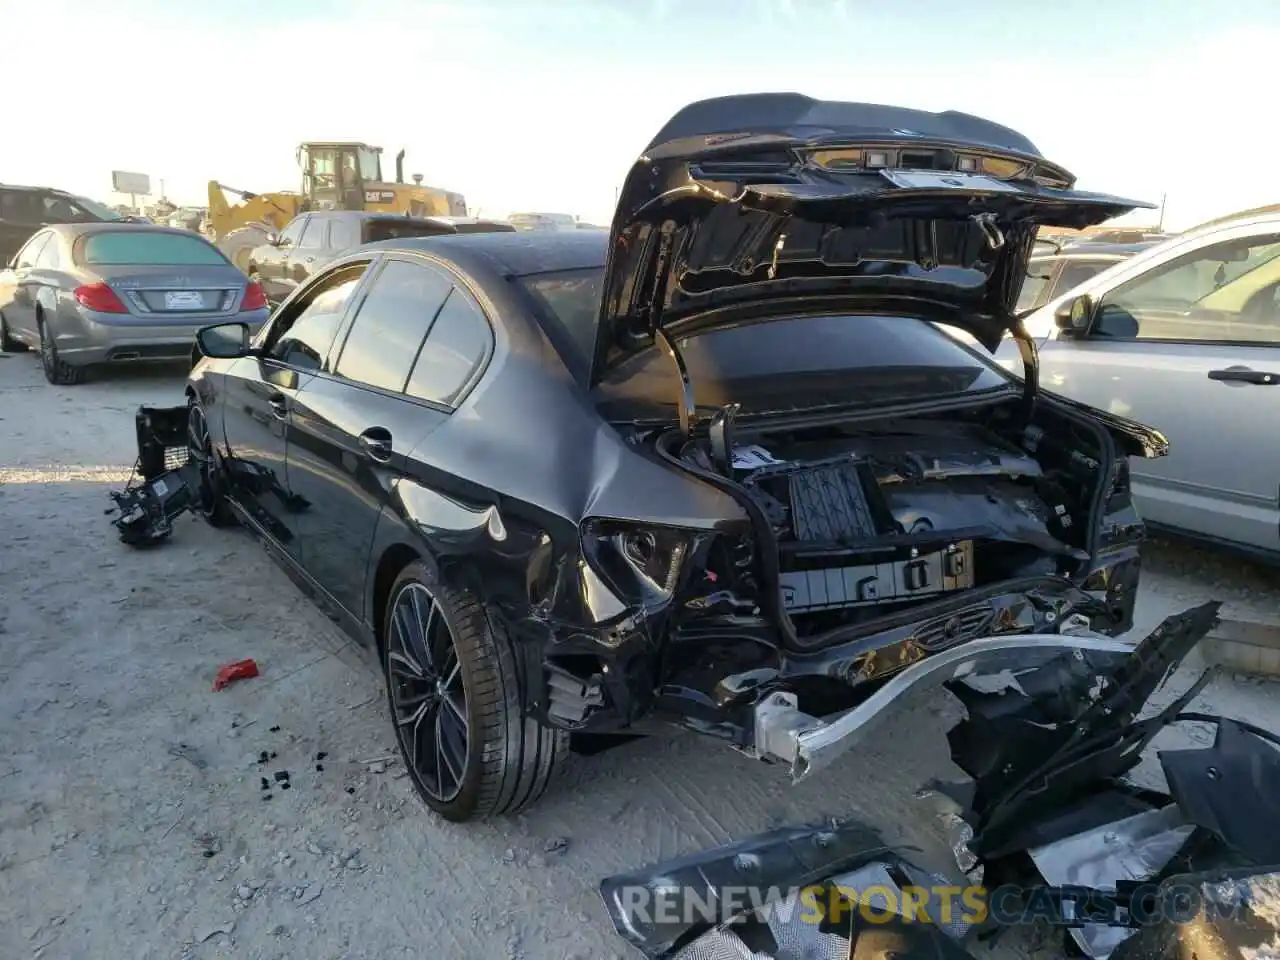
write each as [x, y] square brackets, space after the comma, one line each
[56, 370]
[7, 343]
[509, 760]
[213, 505]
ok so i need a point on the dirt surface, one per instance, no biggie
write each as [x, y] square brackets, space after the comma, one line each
[133, 819]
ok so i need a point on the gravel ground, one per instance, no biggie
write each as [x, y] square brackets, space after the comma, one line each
[133, 819]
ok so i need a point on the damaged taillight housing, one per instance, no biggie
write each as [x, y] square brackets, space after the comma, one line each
[641, 563]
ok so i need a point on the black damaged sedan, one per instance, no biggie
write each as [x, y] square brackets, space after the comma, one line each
[721, 466]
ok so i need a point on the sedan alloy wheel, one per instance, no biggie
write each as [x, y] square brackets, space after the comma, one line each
[429, 704]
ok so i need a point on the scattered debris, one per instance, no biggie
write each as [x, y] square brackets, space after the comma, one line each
[556, 845]
[310, 894]
[390, 758]
[322, 755]
[265, 757]
[509, 856]
[210, 845]
[362, 703]
[319, 768]
[377, 767]
[244, 891]
[231, 672]
[189, 753]
[210, 932]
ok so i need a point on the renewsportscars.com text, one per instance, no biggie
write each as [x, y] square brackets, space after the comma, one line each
[1005, 905]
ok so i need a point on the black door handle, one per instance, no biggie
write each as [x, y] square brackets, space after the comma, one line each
[1244, 375]
[376, 442]
[279, 405]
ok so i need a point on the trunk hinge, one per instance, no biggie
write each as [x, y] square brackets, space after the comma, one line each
[1030, 365]
[687, 403]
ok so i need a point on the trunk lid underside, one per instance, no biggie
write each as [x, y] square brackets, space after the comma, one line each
[776, 204]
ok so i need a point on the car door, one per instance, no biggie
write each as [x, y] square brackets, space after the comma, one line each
[355, 428]
[307, 255]
[18, 286]
[258, 402]
[269, 260]
[1189, 342]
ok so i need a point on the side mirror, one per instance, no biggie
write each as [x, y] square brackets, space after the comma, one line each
[1075, 315]
[224, 341]
[275, 239]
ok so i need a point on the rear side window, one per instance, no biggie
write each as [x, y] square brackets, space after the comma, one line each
[316, 236]
[50, 257]
[567, 305]
[344, 234]
[391, 323]
[144, 247]
[454, 351]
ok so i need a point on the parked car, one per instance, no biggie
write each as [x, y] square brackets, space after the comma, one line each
[188, 218]
[570, 482]
[1186, 335]
[109, 293]
[1053, 273]
[24, 210]
[313, 239]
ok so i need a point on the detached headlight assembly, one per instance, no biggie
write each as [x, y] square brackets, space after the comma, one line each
[640, 563]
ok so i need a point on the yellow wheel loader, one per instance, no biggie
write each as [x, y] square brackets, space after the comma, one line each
[335, 176]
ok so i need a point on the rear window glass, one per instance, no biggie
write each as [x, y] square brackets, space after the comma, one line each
[143, 247]
[397, 229]
[806, 362]
[1076, 272]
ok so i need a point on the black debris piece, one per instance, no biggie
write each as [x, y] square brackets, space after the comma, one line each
[272, 754]
[321, 755]
[263, 757]
[274, 729]
[268, 795]
[351, 789]
[282, 776]
[319, 768]
[285, 785]
[266, 784]
[207, 854]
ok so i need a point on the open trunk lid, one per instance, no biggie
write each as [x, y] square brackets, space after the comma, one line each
[761, 205]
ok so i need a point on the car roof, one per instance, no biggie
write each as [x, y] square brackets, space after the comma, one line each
[34, 189]
[515, 253]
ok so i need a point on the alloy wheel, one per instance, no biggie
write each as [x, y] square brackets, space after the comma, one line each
[428, 702]
[200, 449]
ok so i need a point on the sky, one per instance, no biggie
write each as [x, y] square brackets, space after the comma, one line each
[523, 105]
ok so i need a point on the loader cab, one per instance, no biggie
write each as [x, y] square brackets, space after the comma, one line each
[335, 175]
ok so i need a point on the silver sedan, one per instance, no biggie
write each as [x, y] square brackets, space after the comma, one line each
[1186, 337]
[109, 293]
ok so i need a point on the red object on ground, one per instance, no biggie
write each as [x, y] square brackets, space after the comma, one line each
[231, 672]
